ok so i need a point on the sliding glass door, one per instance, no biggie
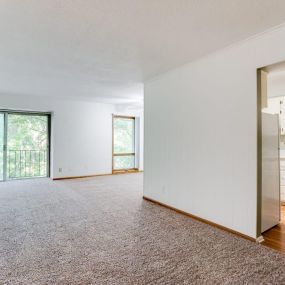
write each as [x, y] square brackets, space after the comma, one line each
[25, 145]
[123, 143]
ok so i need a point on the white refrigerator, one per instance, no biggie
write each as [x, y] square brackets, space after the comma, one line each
[270, 207]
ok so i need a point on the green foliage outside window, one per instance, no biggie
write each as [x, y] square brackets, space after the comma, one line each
[124, 142]
[27, 145]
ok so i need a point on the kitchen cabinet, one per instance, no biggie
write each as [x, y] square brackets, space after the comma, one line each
[276, 105]
[282, 115]
[282, 179]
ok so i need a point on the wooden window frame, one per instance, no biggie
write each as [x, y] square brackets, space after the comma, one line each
[134, 169]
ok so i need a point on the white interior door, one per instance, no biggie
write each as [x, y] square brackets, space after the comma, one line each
[270, 172]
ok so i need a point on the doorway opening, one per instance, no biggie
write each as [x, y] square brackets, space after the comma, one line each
[24, 145]
[271, 155]
[124, 147]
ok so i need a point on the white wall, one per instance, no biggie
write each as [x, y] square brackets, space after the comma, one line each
[201, 133]
[81, 133]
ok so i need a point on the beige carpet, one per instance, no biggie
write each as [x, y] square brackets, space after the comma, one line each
[100, 231]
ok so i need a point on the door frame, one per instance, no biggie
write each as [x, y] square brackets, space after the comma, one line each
[259, 155]
[133, 169]
[260, 105]
[7, 112]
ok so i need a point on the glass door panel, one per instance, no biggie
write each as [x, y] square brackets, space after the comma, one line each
[27, 146]
[2, 124]
[123, 143]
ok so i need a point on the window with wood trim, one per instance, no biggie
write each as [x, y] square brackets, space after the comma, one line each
[123, 143]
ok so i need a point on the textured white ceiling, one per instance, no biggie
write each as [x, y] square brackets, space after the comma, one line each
[105, 49]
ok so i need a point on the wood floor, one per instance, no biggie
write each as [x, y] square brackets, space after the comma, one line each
[275, 237]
